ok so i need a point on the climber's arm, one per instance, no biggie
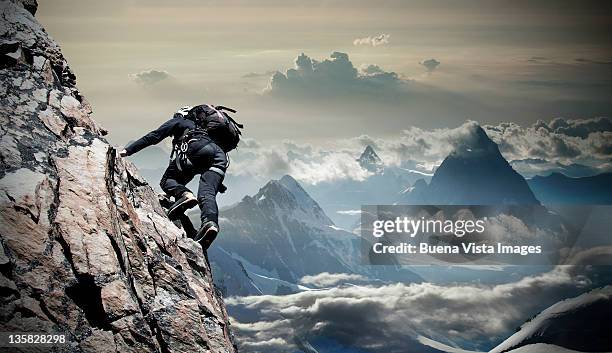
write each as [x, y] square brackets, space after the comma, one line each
[152, 138]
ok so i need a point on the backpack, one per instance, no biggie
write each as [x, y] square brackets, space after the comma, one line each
[217, 124]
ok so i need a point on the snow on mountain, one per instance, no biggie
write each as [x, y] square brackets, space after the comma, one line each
[542, 348]
[280, 235]
[283, 231]
[581, 323]
[474, 173]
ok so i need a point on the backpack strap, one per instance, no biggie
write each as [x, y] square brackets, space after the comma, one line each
[221, 107]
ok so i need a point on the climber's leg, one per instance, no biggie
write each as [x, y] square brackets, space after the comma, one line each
[210, 183]
[173, 183]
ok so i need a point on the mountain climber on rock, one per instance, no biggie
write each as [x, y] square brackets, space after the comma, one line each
[202, 137]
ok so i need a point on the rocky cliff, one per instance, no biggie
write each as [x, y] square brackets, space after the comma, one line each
[85, 248]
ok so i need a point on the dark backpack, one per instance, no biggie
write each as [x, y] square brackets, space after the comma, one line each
[217, 124]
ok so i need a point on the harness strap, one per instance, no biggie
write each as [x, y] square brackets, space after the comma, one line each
[182, 156]
[178, 163]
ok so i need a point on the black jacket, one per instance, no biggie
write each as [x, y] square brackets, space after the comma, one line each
[174, 127]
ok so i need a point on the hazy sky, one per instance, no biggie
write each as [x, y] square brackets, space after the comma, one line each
[494, 61]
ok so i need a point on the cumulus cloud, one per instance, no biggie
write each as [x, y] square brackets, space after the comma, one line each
[562, 141]
[430, 64]
[149, 77]
[576, 127]
[373, 41]
[331, 77]
[326, 279]
[394, 316]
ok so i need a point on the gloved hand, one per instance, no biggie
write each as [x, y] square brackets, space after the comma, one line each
[222, 188]
[123, 153]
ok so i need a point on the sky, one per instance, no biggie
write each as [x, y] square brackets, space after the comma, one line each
[314, 72]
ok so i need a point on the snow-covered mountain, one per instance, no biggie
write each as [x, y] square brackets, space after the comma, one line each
[285, 233]
[281, 234]
[581, 323]
[474, 173]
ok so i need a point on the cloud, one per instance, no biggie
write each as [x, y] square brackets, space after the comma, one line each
[538, 59]
[560, 140]
[307, 163]
[471, 315]
[347, 94]
[331, 77]
[373, 41]
[590, 61]
[576, 127]
[149, 77]
[258, 74]
[326, 279]
[430, 64]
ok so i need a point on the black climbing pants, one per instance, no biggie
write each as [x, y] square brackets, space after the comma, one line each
[210, 162]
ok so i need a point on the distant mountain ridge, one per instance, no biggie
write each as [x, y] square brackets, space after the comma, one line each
[561, 189]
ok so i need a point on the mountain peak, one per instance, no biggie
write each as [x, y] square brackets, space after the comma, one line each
[474, 173]
[288, 181]
[287, 195]
[476, 143]
[370, 161]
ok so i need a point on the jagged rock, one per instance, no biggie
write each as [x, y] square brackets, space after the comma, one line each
[85, 247]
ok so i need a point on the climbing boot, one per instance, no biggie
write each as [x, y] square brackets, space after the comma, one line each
[185, 202]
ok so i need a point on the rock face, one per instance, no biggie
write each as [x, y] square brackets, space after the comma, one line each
[85, 248]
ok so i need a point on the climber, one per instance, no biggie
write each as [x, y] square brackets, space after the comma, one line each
[202, 137]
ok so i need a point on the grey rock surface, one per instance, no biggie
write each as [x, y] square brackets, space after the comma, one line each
[85, 248]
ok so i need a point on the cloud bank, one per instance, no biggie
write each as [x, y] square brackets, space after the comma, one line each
[326, 279]
[583, 146]
[390, 318]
